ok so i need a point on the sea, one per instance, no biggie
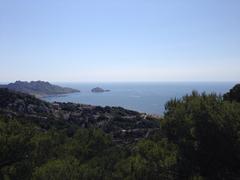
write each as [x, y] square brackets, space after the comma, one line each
[146, 97]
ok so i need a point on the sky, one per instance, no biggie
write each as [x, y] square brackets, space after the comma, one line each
[119, 40]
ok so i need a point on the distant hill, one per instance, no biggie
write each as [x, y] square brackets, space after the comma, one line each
[38, 88]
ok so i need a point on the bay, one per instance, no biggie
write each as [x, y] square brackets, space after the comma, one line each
[143, 97]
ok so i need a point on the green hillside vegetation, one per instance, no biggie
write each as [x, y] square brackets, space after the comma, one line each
[198, 139]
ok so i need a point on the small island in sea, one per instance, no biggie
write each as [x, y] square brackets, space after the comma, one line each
[38, 88]
[99, 90]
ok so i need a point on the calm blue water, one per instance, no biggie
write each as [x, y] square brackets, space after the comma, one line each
[143, 97]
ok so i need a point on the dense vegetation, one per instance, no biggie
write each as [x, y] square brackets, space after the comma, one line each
[198, 138]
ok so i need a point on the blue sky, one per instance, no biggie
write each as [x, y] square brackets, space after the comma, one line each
[124, 40]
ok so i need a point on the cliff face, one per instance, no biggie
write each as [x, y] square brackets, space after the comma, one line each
[38, 88]
[124, 125]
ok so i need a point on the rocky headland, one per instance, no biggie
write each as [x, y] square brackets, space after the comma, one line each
[38, 88]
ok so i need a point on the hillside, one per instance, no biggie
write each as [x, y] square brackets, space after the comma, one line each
[38, 88]
[123, 125]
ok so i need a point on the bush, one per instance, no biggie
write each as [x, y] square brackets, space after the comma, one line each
[206, 130]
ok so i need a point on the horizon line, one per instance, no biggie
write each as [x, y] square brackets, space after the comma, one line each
[170, 81]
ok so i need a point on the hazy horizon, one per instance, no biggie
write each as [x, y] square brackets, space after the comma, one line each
[119, 82]
[120, 41]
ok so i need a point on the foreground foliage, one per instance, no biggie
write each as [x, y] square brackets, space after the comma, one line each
[206, 131]
[29, 153]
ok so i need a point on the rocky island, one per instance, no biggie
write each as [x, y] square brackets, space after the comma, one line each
[38, 88]
[99, 90]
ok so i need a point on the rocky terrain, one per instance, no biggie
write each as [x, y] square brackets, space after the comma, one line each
[38, 88]
[123, 125]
